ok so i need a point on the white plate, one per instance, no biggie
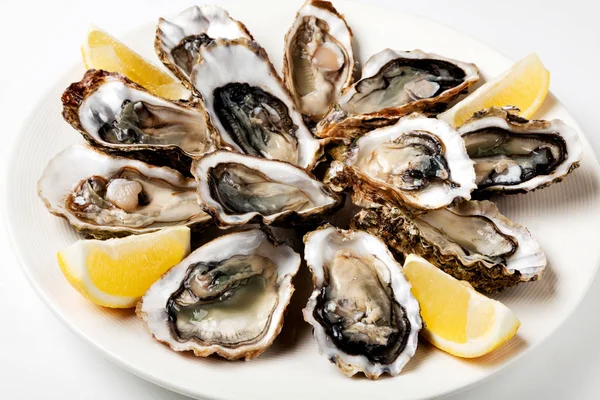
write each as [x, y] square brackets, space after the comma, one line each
[565, 218]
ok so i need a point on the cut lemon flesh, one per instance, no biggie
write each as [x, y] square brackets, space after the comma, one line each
[458, 319]
[117, 272]
[525, 85]
[102, 51]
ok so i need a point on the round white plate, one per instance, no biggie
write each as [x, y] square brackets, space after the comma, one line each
[565, 218]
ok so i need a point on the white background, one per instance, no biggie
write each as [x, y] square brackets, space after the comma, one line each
[41, 358]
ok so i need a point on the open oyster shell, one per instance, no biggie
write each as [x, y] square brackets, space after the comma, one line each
[471, 241]
[106, 196]
[122, 118]
[178, 41]
[393, 84]
[418, 162]
[228, 297]
[249, 108]
[515, 155]
[238, 189]
[318, 60]
[363, 314]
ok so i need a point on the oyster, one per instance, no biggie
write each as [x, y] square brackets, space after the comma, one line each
[364, 317]
[515, 155]
[249, 108]
[238, 189]
[420, 162]
[318, 61]
[393, 84]
[471, 241]
[120, 117]
[228, 297]
[105, 196]
[178, 41]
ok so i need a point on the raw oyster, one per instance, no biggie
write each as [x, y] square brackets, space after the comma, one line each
[178, 41]
[105, 196]
[471, 241]
[120, 117]
[238, 189]
[420, 162]
[393, 84]
[318, 61]
[249, 108]
[228, 297]
[515, 155]
[364, 317]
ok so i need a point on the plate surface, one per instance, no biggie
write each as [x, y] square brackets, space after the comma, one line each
[565, 219]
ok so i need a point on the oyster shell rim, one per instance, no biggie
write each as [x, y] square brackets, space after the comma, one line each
[168, 155]
[104, 231]
[326, 6]
[163, 54]
[373, 370]
[357, 124]
[275, 325]
[289, 216]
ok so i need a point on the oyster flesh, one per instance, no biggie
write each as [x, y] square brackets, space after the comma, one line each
[515, 155]
[178, 41]
[120, 117]
[318, 61]
[249, 108]
[418, 162]
[227, 297]
[363, 314]
[393, 84]
[471, 241]
[238, 189]
[106, 196]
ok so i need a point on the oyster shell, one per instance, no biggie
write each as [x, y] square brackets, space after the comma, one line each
[249, 108]
[105, 196]
[318, 60]
[364, 317]
[471, 241]
[393, 84]
[227, 297]
[120, 117]
[178, 41]
[515, 155]
[419, 162]
[238, 189]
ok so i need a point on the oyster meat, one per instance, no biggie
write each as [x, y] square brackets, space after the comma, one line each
[393, 84]
[120, 117]
[418, 162]
[515, 155]
[318, 61]
[238, 189]
[250, 110]
[106, 196]
[471, 241]
[363, 314]
[227, 297]
[178, 41]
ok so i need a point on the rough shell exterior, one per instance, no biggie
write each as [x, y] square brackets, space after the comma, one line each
[395, 227]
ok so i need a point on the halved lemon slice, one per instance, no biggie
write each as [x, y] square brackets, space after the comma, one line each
[102, 51]
[458, 319]
[117, 272]
[525, 85]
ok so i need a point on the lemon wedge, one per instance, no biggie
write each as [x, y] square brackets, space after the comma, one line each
[525, 85]
[117, 272]
[102, 51]
[458, 319]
